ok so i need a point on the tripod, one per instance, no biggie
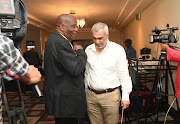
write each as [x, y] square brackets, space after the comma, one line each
[17, 109]
[158, 82]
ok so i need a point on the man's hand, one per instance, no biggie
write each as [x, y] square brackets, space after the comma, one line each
[32, 76]
[76, 47]
[164, 47]
[125, 104]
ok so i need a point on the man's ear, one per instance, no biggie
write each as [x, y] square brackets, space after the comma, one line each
[107, 36]
[61, 27]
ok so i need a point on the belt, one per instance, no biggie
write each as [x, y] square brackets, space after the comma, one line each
[102, 91]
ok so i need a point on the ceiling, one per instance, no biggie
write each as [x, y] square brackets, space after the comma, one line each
[115, 13]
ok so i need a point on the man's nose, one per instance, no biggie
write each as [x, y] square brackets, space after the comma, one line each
[96, 41]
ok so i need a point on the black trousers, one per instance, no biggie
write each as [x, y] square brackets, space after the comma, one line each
[66, 121]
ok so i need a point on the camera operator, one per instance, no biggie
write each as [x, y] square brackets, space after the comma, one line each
[174, 56]
[13, 65]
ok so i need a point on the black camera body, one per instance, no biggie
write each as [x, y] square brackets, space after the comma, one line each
[13, 20]
[171, 37]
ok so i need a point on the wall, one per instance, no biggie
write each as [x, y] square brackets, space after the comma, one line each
[44, 36]
[32, 34]
[38, 35]
[114, 35]
[160, 13]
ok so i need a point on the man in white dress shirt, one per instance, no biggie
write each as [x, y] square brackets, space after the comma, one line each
[106, 71]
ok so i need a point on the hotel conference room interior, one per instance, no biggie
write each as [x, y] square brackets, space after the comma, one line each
[148, 23]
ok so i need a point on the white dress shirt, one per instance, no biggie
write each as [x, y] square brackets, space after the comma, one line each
[109, 69]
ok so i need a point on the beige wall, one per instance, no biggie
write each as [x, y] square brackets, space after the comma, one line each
[39, 36]
[44, 36]
[114, 35]
[32, 34]
[160, 13]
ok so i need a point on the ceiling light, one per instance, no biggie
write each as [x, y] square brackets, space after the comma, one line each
[80, 22]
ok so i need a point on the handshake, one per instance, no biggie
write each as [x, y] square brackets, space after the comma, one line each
[76, 47]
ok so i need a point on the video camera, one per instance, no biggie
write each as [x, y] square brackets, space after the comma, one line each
[171, 37]
[13, 24]
[13, 20]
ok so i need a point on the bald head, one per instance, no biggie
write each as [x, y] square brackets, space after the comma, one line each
[64, 19]
[67, 25]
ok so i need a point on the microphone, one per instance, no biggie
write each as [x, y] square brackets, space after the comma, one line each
[36, 90]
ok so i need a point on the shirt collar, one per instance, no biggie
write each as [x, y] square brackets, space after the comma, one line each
[63, 36]
[66, 39]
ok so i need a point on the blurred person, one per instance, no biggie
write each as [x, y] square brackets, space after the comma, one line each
[14, 66]
[106, 70]
[65, 91]
[32, 57]
[130, 51]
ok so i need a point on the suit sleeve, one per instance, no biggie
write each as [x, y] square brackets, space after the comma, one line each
[73, 63]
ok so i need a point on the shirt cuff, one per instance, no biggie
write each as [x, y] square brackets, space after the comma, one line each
[18, 72]
[9, 73]
[125, 97]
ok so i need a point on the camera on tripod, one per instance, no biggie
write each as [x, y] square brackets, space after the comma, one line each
[160, 37]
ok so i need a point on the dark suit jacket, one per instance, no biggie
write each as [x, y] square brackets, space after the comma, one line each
[32, 57]
[65, 95]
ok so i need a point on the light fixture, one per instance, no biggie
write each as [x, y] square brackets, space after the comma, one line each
[80, 22]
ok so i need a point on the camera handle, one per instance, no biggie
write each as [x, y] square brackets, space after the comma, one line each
[37, 90]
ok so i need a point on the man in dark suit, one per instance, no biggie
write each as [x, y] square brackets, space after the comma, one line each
[32, 57]
[65, 95]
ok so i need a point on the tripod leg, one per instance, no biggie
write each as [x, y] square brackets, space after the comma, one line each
[172, 82]
[159, 80]
[13, 110]
[22, 116]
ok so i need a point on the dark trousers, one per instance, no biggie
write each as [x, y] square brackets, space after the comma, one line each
[66, 121]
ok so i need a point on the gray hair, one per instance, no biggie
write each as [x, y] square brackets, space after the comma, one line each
[96, 27]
